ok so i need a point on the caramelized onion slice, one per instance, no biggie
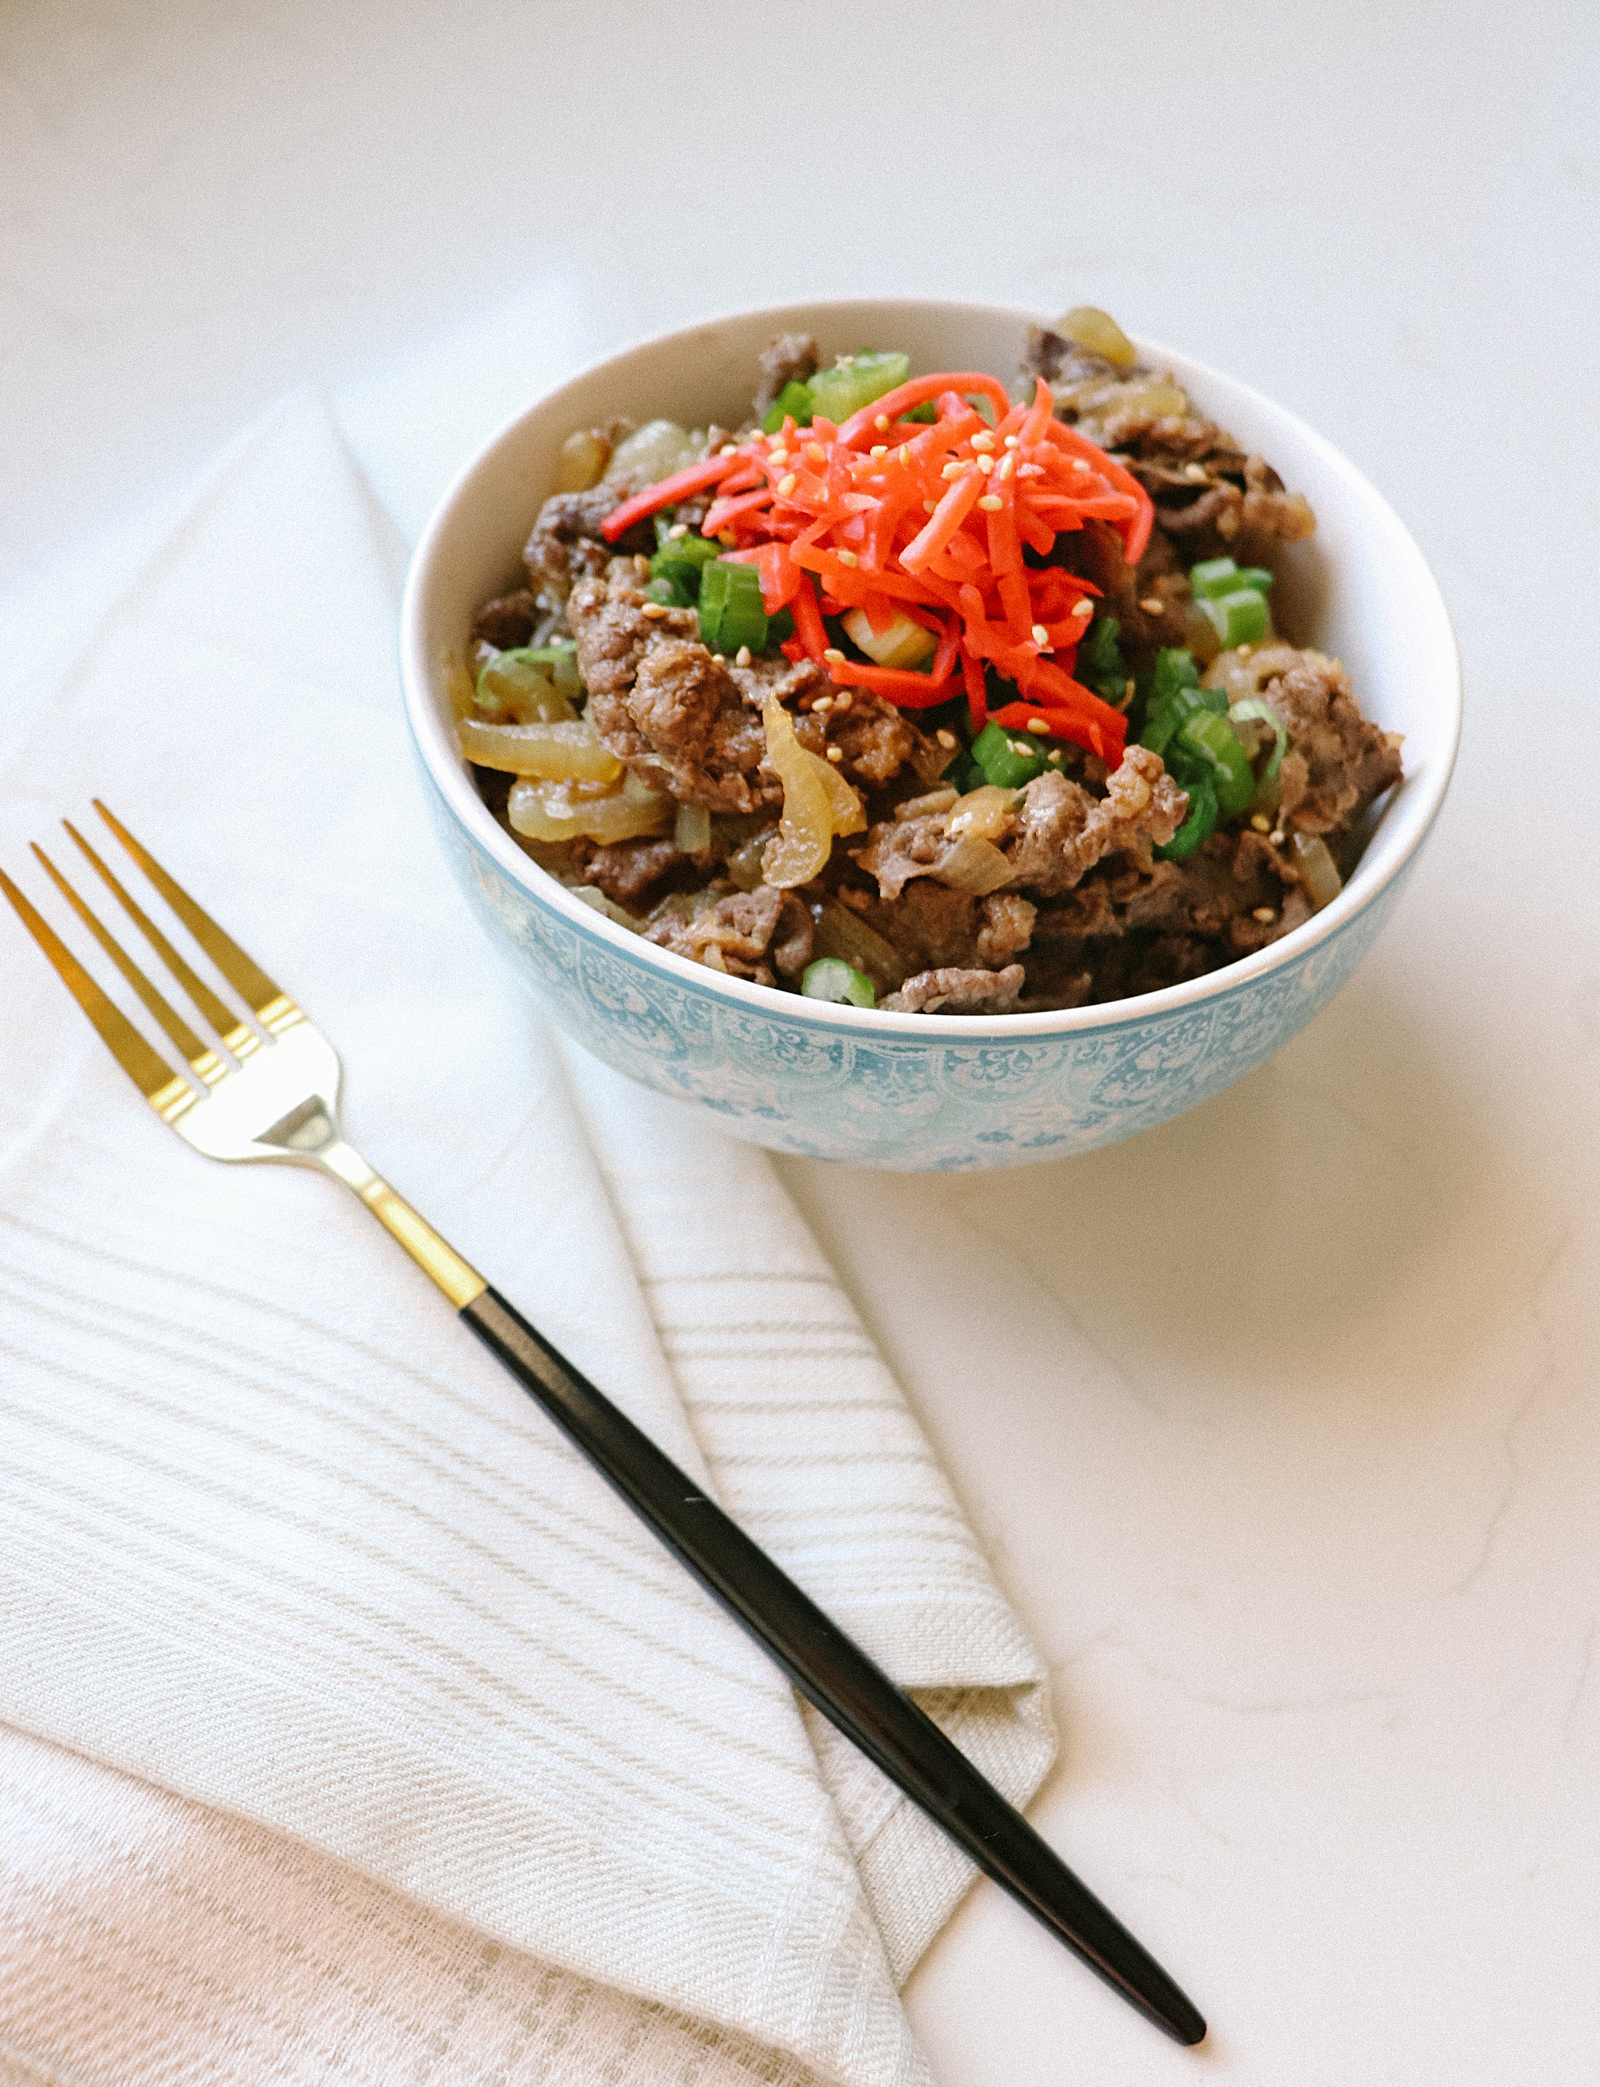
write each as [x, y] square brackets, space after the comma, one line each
[557, 753]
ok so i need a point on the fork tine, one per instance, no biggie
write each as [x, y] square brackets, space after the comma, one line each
[268, 1001]
[171, 1021]
[221, 1017]
[167, 1092]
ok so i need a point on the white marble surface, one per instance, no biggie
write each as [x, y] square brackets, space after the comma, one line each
[1278, 1423]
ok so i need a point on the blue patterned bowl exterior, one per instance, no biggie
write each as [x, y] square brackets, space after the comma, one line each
[916, 1091]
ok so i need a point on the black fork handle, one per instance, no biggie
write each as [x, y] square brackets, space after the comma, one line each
[830, 1670]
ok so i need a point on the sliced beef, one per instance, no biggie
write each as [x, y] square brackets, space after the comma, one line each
[1216, 894]
[627, 871]
[876, 740]
[1337, 763]
[747, 934]
[508, 620]
[934, 927]
[1006, 928]
[954, 992]
[1061, 831]
[566, 544]
[660, 700]
[790, 359]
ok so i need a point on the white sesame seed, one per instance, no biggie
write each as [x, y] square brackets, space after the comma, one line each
[742, 657]
[984, 461]
[841, 703]
[1265, 915]
[1037, 724]
[720, 658]
[1080, 464]
[1261, 823]
[834, 656]
[930, 507]
[1245, 651]
[655, 608]
[823, 703]
[1040, 635]
[778, 455]
[786, 485]
[1085, 609]
[1276, 837]
[905, 453]
[1008, 464]
[946, 739]
[1196, 472]
[816, 452]
[678, 529]
[641, 565]
[953, 469]
[881, 422]
[848, 558]
[991, 503]
[983, 441]
[1152, 604]
[728, 449]
[881, 450]
[836, 753]
[1013, 442]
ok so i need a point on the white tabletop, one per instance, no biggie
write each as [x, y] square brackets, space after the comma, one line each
[1276, 1423]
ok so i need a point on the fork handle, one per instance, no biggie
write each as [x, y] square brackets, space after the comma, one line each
[829, 1669]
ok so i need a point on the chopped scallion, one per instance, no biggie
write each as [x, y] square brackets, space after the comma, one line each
[855, 381]
[731, 611]
[830, 978]
[1199, 824]
[1239, 618]
[794, 400]
[995, 754]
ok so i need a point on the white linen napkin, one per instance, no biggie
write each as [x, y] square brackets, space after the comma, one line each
[281, 1541]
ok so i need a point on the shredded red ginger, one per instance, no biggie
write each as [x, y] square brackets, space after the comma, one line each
[929, 520]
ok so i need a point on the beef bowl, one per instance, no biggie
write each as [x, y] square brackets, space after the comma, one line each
[1076, 996]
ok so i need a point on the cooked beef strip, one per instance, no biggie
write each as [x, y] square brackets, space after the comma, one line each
[1062, 831]
[957, 992]
[627, 871]
[664, 704]
[507, 621]
[1337, 763]
[748, 934]
[566, 544]
[790, 359]
[1058, 830]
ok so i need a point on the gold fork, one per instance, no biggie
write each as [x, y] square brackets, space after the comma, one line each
[269, 1090]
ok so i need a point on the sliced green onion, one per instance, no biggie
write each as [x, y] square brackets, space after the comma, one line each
[561, 657]
[1256, 576]
[1212, 740]
[1100, 662]
[531, 684]
[1258, 706]
[830, 978]
[780, 628]
[995, 754]
[855, 381]
[682, 559]
[795, 398]
[668, 592]
[1198, 826]
[1214, 576]
[731, 612]
[964, 774]
[1238, 619]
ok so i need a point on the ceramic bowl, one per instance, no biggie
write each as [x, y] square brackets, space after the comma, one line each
[926, 1091]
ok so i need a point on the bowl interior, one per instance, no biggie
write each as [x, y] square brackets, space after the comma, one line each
[1358, 588]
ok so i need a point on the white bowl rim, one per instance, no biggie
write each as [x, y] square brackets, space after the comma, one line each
[449, 774]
